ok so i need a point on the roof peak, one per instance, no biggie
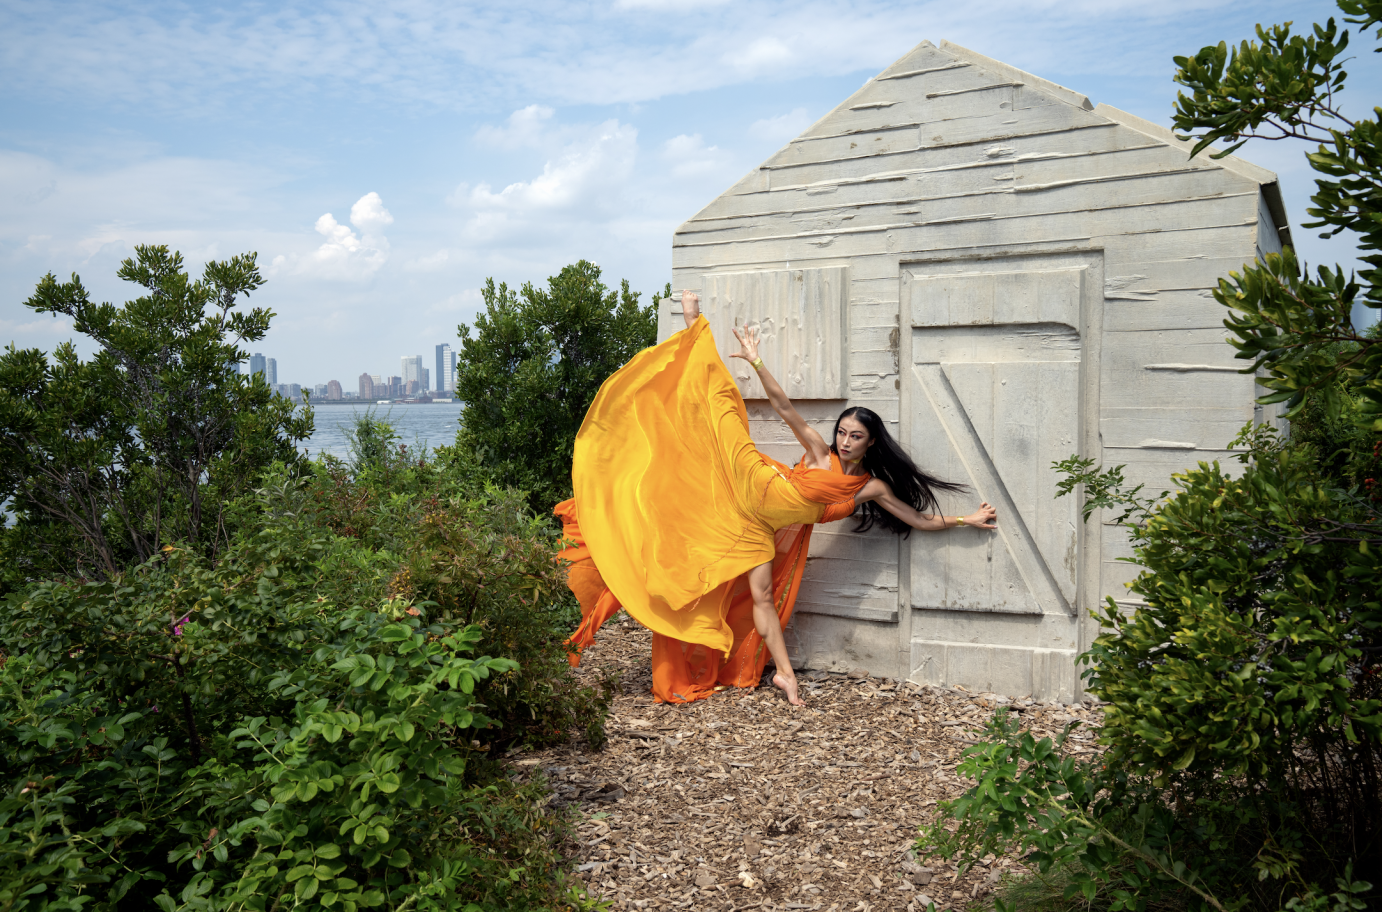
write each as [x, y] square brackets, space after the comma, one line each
[1069, 96]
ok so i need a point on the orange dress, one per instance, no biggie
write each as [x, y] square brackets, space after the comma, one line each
[674, 505]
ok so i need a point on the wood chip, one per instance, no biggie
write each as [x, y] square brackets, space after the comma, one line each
[740, 783]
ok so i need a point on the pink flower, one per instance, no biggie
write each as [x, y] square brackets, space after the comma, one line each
[177, 625]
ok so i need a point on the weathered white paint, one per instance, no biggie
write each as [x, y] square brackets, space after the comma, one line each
[802, 320]
[1009, 275]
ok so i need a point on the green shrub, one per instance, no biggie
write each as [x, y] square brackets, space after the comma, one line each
[1242, 714]
[106, 460]
[478, 555]
[245, 735]
[532, 367]
[489, 562]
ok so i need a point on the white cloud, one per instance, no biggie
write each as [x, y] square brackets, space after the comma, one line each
[428, 54]
[583, 174]
[782, 128]
[346, 255]
[667, 5]
[50, 327]
[689, 156]
[525, 128]
[431, 262]
[760, 55]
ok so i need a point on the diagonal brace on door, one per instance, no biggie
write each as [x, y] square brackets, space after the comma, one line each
[965, 439]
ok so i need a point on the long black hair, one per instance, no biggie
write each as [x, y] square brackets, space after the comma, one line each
[888, 462]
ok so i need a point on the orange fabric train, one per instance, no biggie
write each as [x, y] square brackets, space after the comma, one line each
[674, 505]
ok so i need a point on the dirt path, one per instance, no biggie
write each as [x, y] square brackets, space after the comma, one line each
[739, 802]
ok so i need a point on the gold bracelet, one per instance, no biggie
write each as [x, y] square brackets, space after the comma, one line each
[959, 521]
[756, 364]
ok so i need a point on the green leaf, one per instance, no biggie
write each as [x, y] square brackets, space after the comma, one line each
[306, 889]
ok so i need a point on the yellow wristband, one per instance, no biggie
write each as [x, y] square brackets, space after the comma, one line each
[756, 364]
[959, 520]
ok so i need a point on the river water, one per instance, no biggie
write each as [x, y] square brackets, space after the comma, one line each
[429, 425]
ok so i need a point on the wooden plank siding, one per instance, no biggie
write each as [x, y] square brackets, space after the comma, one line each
[966, 165]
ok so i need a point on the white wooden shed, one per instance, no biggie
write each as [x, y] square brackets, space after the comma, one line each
[1009, 275]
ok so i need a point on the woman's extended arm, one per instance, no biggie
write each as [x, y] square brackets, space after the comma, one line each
[878, 490]
[817, 450]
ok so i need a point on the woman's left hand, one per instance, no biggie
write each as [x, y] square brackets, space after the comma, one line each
[748, 343]
[986, 517]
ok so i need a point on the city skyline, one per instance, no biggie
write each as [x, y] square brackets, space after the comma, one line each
[413, 379]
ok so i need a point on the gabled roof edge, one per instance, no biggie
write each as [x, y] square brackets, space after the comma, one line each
[1069, 96]
[1267, 180]
[842, 106]
[1157, 131]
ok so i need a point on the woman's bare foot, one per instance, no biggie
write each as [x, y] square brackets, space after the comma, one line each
[789, 687]
[690, 307]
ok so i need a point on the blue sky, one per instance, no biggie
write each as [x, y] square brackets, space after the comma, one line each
[384, 159]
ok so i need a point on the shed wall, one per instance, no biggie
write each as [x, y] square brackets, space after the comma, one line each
[950, 164]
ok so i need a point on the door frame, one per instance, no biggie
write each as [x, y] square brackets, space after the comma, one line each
[1016, 258]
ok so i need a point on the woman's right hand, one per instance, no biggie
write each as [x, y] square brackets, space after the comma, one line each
[748, 343]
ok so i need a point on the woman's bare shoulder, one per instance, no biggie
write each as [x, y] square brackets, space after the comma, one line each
[873, 489]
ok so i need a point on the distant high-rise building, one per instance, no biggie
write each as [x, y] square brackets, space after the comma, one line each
[320, 391]
[376, 378]
[446, 369]
[395, 388]
[425, 382]
[412, 388]
[366, 386]
[333, 389]
[257, 366]
[271, 372]
[293, 391]
[412, 368]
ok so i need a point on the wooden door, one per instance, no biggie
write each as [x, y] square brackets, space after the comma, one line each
[995, 399]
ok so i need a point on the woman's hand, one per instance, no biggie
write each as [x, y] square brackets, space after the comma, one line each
[748, 343]
[983, 518]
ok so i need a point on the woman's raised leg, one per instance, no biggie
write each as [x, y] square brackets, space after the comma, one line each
[765, 620]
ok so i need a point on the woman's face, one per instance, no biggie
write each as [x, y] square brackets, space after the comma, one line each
[851, 439]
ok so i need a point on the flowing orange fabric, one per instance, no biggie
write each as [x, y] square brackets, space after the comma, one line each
[676, 505]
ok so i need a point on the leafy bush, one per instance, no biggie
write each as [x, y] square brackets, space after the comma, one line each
[476, 558]
[107, 460]
[1346, 451]
[1296, 328]
[374, 446]
[1243, 713]
[531, 370]
[1243, 706]
[490, 563]
[273, 729]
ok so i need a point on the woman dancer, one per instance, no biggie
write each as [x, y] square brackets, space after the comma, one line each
[681, 521]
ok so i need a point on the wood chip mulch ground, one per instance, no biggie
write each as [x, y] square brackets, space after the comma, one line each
[743, 802]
